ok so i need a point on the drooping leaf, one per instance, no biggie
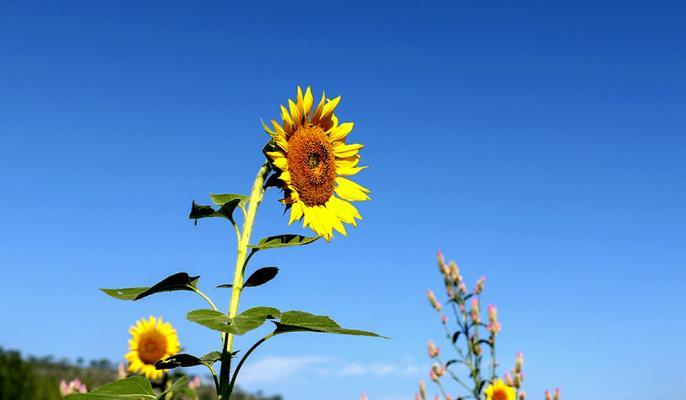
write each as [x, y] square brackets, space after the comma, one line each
[132, 388]
[225, 211]
[179, 281]
[178, 360]
[299, 321]
[456, 335]
[221, 199]
[261, 276]
[126, 293]
[238, 325]
[224, 286]
[286, 240]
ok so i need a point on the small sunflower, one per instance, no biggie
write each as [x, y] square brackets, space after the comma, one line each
[498, 390]
[151, 340]
[313, 161]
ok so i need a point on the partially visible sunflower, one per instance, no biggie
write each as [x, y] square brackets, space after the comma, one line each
[151, 340]
[313, 160]
[498, 390]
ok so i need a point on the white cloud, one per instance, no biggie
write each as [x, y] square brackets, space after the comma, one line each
[277, 369]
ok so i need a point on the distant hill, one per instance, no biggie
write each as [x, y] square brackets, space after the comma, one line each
[32, 378]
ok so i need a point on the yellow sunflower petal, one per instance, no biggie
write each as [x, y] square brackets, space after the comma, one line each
[340, 131]
[350, 190]
[342, 150]
[307, 101]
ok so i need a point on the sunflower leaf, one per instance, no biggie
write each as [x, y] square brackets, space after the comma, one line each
[285, 240]
[132, 388]
[178, 360]
[299, 321]
[261, 276]
[125, 293]
[238, 325]
[221, 199]
[178, 281]
[178, 384]
[199, 211]
[211, 357]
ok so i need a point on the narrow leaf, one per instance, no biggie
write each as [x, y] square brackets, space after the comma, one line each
[456, 335]
[286, 240]
[261, 276]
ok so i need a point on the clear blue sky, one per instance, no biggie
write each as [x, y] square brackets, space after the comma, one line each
[538, 143]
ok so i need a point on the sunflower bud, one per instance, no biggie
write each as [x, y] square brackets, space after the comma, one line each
[433, 350]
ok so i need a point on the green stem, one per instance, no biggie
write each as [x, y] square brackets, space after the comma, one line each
[245, 357]
[204, 296]
[242, 252]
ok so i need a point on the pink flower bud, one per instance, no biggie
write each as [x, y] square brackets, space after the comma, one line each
[475, 314]
[444, 320]
[363, 396]
[522, 395]
[433, 350]
[519, 363]
[422, 390]
[480, 285]
[432, 299]
[508, 379]
[557, 394]
[548, 396]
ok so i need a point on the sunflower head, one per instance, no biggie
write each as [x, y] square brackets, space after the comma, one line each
[312, 160]
[498, 390]
[151, 340]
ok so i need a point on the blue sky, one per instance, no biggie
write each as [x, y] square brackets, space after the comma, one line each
[537, 143]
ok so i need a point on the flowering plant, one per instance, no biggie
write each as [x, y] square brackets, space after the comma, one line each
[308, 159]
[478, 377]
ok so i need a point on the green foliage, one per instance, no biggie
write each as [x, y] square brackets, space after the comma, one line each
[178, 281]
[285, 240]
[132, 388]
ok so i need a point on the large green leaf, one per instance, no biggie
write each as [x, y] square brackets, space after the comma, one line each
[286, 240]
[299, 321]
[221, 199]
[199, 211]
[179, 281]
[132, 388]
[238, 325]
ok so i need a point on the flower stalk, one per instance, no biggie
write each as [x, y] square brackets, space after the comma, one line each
[241, 260]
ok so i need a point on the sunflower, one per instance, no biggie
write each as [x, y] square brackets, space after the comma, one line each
[498, 390]
[312, 161]
[151, 340]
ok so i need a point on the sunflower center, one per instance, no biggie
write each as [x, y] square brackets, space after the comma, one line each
[499, 394]
[311, 164]
[152, 347]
